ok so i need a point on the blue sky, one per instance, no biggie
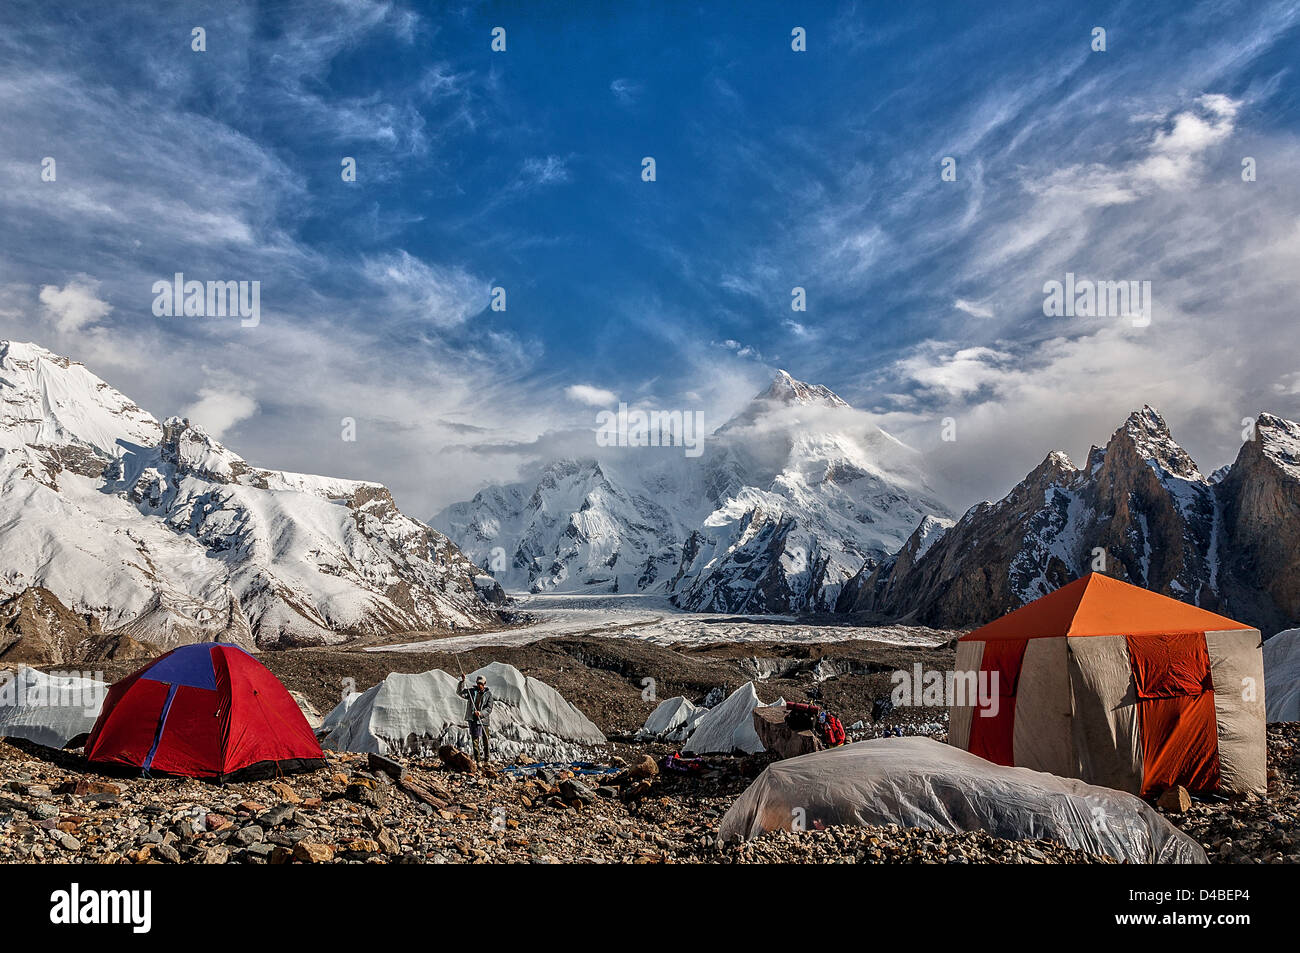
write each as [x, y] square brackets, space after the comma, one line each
[775, 169]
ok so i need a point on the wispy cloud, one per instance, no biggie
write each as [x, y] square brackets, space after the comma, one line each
[776, 170]
[591, 396]
[625, 90]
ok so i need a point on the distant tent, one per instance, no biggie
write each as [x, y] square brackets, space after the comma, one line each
[1106, 682]
[51, 710]
[672, 720]
[414, 715]
[1282, 676]
[209, 710]
[728, 726]
[919, 782]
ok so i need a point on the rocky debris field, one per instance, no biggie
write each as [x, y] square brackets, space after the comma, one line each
[54, 809]
[902, 845]
[364, 809]
[1253, 829]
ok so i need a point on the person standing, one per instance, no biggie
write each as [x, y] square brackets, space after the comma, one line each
[478, 710]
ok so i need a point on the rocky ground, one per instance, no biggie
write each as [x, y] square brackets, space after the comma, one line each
[353, 811]
[1252, 829]
[359, 810]
[54, 809]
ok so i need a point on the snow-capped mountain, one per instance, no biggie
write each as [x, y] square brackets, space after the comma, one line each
[1139, 510]
[786, 503]
[165, 536]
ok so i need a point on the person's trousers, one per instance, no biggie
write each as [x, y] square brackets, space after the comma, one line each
[479, 734]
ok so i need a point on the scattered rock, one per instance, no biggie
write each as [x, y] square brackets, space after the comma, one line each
[455, 759]
[391, 767]
[1175, 800]
[309, 853]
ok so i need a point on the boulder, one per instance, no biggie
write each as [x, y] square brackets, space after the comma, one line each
[780, 739]
[455, 760]
[1175, 800]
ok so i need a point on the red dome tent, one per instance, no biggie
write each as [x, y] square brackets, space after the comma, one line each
[1117, 686]
[203, 711]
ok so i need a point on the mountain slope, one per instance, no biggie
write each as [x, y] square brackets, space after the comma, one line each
[166, 536]
[786, 502]
[1260, 501]
[1139, 510]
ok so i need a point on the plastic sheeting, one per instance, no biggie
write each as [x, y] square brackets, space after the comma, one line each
[414, 715]
[919, 782]
[728, 726]
[336, 714]
[672, 720]
[1282, 676]
[49, 710]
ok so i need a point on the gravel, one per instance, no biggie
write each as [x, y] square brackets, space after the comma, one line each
[52, 810]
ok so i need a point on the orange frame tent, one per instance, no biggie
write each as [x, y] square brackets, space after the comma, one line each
[1114, 685]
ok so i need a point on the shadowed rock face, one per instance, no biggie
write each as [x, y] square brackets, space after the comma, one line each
[1260, 498]
[36, 628]
[1140, 511]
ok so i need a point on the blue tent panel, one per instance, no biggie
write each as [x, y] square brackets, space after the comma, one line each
[188, 665]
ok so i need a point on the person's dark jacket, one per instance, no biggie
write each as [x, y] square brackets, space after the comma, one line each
[477, 701]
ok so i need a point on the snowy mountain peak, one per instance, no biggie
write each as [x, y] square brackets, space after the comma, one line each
[786, 389]
[192, 450]
[789, 500]
[1055, 465]
[1149, 436]
[49, 404]
[1279, 438]
[165, 535]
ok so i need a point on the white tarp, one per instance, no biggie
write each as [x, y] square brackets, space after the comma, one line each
[920, 782]
[672, 720]
[413, 715]
[336, 714]
[728, 726]
[49, 710]
[1282, 676]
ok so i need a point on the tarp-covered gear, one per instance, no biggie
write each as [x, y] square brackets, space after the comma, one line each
[209, 710]
[919, 782]
[414, 715]
[1282, 675]
[53, 710]
[1115, 685]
